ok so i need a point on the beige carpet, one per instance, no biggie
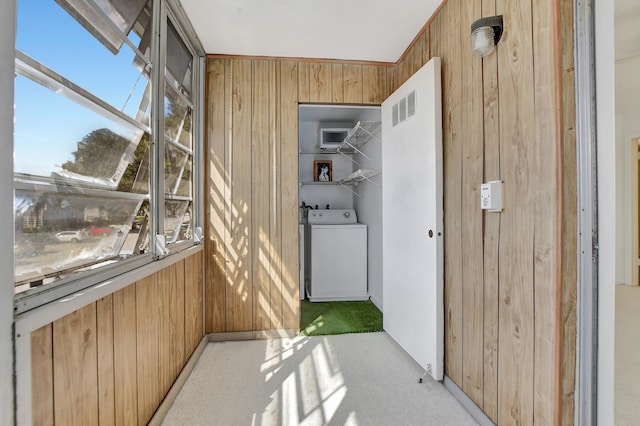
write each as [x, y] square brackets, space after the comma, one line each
[627, 356]
[349, 379]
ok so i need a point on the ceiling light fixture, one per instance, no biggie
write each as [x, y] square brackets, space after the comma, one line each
[485, 34]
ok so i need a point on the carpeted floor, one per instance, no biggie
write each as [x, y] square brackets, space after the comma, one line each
[323, 318]
[350, 379]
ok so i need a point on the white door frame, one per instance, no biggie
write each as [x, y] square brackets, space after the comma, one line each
[595, 138]
[7, 75]
[602, 325]
[605, 102]
[586, 147]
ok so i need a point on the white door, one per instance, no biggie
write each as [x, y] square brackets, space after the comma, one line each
[413, 260]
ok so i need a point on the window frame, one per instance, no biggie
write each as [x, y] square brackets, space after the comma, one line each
[163, 11]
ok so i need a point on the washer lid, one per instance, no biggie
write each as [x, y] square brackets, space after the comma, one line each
[332, 217]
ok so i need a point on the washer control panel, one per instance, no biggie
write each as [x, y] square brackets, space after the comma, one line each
[332, 217]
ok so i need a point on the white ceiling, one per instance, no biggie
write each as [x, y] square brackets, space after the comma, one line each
[367, 30]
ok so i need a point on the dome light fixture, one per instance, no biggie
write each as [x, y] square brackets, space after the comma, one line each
[485, 34]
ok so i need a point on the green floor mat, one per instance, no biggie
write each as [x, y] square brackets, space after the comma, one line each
[322, 318]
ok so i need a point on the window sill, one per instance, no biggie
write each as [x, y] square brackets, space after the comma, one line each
[39, 316]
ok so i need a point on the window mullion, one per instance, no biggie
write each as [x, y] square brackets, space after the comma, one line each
[197, 162]
[157, 116]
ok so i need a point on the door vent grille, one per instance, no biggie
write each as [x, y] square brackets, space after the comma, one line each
[394, 115]
[403, 109]
[411, 104]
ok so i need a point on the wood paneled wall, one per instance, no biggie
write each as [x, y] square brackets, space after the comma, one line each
[251, 251]
[509, 277]
[113, 361]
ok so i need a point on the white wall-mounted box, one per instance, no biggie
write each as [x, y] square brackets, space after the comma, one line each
[491, 196]
[332, 137]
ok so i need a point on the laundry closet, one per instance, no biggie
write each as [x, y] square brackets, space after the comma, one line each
[370, 175]
[340, 196]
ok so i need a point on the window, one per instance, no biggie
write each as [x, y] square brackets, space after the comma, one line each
[89, 186]
[178, 109]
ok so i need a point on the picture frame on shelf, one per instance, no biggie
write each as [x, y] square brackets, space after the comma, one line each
[323, 171]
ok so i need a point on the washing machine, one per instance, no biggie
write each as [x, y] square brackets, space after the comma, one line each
[338, 256]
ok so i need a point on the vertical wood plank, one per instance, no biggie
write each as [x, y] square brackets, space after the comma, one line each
[215, 223]
[320, 82]
[125, 352]
[192, 303]
[275, 206]
[416, 56]
[147, 316]
[75, 368]
[374, 84]
[491, 227]
[392, 81]
[229, 214]
[516, 316]
[164, 283]
[289, 185]
[546, 66]
[240, 292]
[426, 45]
[171, 343]
[106, 385]
[402, 71]
[446, 44]
[569, 219]
[303, 81]
[353, 85]
[337, 84]
[178, 320]
[260, 192]
[42, 375]
[472, 174]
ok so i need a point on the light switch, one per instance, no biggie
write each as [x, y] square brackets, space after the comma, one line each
[491, 196]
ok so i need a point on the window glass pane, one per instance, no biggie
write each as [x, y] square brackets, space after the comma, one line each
[83, 153]
[57, 137]
[57, 232]
[139, 227]
[47, 33]
[67, 143]
[179, 61]
[185, 186]
[178, 139]
[121, 13]
[177, 118]
[175, 164]
[136, 176]
[177, 221]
